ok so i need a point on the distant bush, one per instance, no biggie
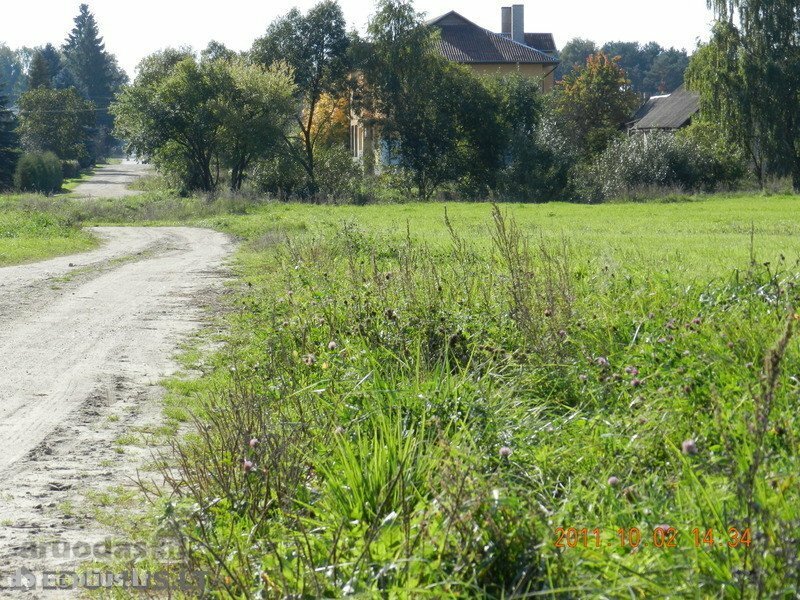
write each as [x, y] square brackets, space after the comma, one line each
[39, 173]
[653, 163]
[280, 177]
[70, 169]
[539, 167]
[338, 175]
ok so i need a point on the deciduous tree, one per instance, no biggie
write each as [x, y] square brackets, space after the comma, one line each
[436, 119]
[257, 110]
[715, 71]
[195, 118]
[757, 46]
[315, 48]
[573, 56]
[57, 121]
[667, 71]
[636, 60]
[593, 103]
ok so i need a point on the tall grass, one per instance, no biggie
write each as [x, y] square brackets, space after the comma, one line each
[392, 418]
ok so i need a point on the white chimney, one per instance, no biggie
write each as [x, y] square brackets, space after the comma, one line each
[518, 23]
[505, 20]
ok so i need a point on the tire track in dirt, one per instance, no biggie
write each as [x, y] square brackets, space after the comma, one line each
[84, 341]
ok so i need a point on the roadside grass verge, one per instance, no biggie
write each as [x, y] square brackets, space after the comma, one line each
[28, 235]
[412, 403]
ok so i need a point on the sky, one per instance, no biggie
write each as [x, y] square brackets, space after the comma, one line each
[134, 28]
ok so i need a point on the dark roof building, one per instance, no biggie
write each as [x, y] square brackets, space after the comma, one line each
[464, 42]
[541, 41]
[667, 113]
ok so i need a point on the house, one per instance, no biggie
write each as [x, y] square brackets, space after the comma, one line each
[486, 53]
[666, 113]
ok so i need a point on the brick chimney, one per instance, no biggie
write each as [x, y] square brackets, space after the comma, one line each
[518, 23]
[505, 20]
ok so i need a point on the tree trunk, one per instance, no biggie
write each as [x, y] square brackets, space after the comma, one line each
[796, 174]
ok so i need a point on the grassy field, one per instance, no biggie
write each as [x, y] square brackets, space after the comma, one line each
[28, 234]
[564, 400]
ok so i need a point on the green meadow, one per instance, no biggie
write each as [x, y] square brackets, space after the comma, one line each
[461, 400]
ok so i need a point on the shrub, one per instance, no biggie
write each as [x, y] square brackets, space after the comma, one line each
[70, 169]
[538, 169]
[280, 177]
[338, 175]
[728, 164]
[39, 173]
[653, 163]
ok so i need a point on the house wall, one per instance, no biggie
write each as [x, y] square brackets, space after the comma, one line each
[543, 72]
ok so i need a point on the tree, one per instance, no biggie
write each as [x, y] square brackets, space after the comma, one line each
[315, 48]
[96, 72]
[667, 71]
[57, 121]
[534, 167]
[757, 46]
[256, 112]
[217, 51]
[173, 120]
[593, 104]
[53, 59]
[194, 118]
[12, 73]
[40, 75]
[9, 142]
[636, 60]
[573, 56]
[436, 119]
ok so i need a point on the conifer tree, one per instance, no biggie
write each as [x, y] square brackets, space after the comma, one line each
[94, 70]
[9, 142]
[39, 75]
[52, 56]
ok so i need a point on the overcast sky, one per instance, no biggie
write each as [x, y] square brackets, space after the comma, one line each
[135, 28]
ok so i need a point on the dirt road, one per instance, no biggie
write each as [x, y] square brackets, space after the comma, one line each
[84, 342]
[111, 181]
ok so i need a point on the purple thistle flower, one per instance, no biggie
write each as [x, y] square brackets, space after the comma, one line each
[689, 447]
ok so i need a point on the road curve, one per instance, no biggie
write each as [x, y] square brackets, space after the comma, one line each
[78, 336]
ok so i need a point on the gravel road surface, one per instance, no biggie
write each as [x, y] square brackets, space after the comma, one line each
[111, 181]
[84, 342]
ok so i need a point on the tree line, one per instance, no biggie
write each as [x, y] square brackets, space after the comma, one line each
[439, 127]
[61, 98]
[650, 68]
[277, 119]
